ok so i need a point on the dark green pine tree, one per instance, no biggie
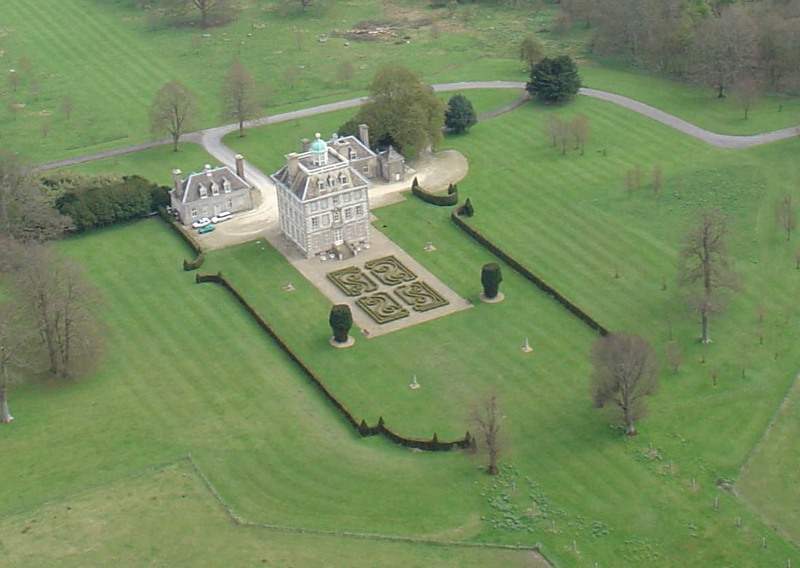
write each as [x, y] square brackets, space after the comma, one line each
[459, 115]
[554, 80]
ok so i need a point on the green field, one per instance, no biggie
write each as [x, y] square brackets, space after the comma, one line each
[79, 51]
[97, 470]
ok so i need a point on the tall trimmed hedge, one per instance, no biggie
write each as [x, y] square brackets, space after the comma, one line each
[361, 427]
[518, 267]
[187, 238]
[100, 202]
[448, 200]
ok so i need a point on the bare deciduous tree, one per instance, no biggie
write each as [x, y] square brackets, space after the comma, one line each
[67, 106]
[625, 372]
[724, 49]
[346, 71]
[211, 11]
[174, 108]
[487, 418]
[581, 131]
[60, 301]
[703, 266]
[657, 181]
[531, 51]
[673, 355]
[552, 125]
[25, 212]
[238, 95]
[747, 94]
[15, 338]
[786, 216]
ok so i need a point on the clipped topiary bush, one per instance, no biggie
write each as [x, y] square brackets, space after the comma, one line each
[341, 320]
[491, 276]
[466, 210]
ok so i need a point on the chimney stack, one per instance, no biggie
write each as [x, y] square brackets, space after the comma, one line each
[239, 165]
[305, 144]
[177, 181]
[363, 134]
[293, 161]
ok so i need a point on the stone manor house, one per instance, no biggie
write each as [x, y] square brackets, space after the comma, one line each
[323, 201]
[210, 192]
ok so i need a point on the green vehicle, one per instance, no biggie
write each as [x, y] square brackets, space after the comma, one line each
[206, 229]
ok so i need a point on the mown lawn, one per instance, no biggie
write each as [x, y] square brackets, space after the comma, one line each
[167, 516]
[155, 164]
[698, 105]
[80, 51]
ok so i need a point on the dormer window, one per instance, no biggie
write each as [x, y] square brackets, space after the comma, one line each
[226, 185]
[342, 179]
[330, 181]
[320, 185]
[352, 154]
[214, 189]
[203, 191]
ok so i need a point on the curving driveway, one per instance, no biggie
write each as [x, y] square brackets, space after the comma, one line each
[211, 138]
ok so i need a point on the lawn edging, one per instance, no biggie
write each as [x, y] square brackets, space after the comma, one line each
[363, 429]
[527, 274]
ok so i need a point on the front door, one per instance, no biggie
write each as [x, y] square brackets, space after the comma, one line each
[217, 209]
[337, 237]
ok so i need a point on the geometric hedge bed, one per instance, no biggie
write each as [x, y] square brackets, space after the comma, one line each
[405, 290]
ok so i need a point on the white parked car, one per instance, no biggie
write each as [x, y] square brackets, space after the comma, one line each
[220, 217]
[202, 222]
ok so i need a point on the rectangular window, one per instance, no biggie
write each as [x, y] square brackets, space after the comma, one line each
[226, 186]
[359, 210]
[314, 206]
[214, 189]
[194, 212]
[335, 201]
[315, 222]
[326, 220]
[324, 203]
[348, 214]
[347, 198]
[336, 217]
[365, 169]
[203, 191]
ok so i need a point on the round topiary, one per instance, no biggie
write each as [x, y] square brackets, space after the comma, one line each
[341, 320]
[491, 276]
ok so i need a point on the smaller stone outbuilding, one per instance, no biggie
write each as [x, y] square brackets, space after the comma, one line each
[210, 192]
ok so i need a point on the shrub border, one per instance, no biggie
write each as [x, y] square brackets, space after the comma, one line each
[361, 427]
[522, 270]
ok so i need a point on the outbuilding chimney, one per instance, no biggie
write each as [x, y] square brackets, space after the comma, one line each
[363, 134]
[177, 181]
[239, 165]
[305, 144]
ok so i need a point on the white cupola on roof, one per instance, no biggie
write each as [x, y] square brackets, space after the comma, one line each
[319, 151]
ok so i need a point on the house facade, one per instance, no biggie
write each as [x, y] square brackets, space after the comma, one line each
[210, 192]
[323, 202]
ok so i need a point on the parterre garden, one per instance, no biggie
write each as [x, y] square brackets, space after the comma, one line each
[194, 403]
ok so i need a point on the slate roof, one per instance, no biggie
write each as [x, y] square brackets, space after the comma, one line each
[335, 175]
[190, 188]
